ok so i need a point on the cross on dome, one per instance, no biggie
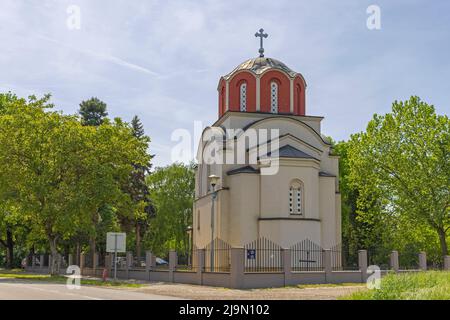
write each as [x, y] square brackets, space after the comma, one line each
[261, 35]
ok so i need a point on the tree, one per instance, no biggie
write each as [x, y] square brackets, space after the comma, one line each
[402, 162]
[172, 190]
[138, 190]
[93, 112]
[61, 172]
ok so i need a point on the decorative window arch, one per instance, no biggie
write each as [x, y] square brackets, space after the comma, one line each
[243, 96]
[296, 194]
[273, 97]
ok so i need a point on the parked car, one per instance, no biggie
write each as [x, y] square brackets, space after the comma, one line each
[161, 262]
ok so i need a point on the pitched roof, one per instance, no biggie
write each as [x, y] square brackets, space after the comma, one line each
[289, 151]
[326, 174]
[246, 169]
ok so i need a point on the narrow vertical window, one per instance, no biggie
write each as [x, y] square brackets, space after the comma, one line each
[273, 97]
[198, 219]
[243, 97]
[291, 202]
[296, 198]
[298, 201]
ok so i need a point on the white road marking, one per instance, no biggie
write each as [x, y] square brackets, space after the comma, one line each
[30, 286]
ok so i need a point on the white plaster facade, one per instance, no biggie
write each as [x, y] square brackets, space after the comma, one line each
[250, 205]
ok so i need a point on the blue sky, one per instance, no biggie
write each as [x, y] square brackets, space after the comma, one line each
[162, 60]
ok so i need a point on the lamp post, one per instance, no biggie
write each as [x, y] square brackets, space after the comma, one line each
[213, 179]
[190, 247]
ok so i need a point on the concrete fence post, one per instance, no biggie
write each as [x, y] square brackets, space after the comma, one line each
[50, 262]
[82, 262]
[362, 263]
[128, 263]
[287, 267]
[108, 263]
[70, 260]
[58, 262]
[393, 261]
[237, 267]
[200, 265]
[327, 264]
[148, 260]
[95, 263]
[446, 262]
[173, 262]
[41, 261]
[148, 263]
[423, 261]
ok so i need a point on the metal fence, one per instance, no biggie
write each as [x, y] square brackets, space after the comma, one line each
[188, 261]
[380, 258]
[341, 260]
[307, 256]
[138, 262]
[217, 256]
[162, 261]
[263, 255]
[408, 261]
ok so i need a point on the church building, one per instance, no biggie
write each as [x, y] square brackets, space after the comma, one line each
[236, 202]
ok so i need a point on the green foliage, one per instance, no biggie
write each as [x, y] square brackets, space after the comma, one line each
[93, 112]
[431, 285]
[172, 190]
[59, 173]
[400, 169]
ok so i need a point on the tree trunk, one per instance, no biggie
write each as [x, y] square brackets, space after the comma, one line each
[9, 249]
[138, 240]
[78, 254]
[54, 260]
[443, 241]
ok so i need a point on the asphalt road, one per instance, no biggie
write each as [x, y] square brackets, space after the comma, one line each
[11, 289]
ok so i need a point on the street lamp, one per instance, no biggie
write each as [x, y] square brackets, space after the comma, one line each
[213, 180]
[190, 247]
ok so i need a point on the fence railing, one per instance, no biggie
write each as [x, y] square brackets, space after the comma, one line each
[263, 255]
[138, 263]
[341, 260]
[217, 256]
[306, 255]
[188, 261]
[379, 258]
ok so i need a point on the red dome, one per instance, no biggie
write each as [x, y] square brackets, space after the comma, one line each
[262, 85]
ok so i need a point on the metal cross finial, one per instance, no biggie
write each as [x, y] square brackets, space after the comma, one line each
[261, 35]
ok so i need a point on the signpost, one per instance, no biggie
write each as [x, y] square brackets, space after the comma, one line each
[116, 242]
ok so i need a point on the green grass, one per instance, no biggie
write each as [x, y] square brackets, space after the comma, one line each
[431, 285]
[327, 285]
[20, 275]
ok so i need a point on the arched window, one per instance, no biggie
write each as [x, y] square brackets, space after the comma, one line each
[296, 198]
[243, 100]
[273, 97]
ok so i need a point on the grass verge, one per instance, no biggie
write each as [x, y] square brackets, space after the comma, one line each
[430, 285]
[20, 275]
